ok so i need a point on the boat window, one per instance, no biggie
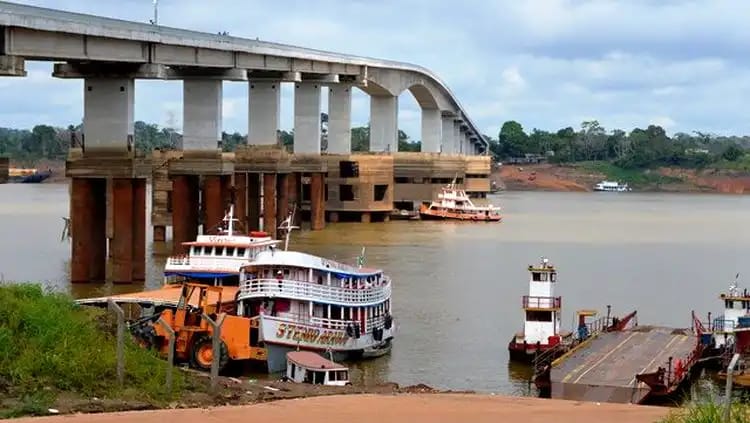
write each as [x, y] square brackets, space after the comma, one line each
[538, 316]
[539, 276]
[192, 250]
[342, 375]
[240, 252]
[294, 367]
[319, 378]
[230, 251]
[553, 277]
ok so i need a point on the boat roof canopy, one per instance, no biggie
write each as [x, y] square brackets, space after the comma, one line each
[168, 295]
[297, 259]
[312, 361]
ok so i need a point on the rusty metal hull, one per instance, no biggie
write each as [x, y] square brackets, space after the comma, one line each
[605, 368]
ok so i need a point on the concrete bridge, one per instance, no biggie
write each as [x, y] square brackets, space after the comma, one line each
[107, 175]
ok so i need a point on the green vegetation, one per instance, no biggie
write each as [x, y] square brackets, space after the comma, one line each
[639, 149]
[633, 177]
[48, 345]
[50, 143]
[707, 411]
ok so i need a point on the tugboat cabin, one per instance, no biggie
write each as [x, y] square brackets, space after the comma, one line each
[309, 367]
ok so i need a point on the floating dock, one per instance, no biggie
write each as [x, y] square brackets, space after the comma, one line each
[626, 366]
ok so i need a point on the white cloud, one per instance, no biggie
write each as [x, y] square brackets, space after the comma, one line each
[544, 63]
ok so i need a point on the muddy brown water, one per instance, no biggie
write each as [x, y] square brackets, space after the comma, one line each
[458, 286]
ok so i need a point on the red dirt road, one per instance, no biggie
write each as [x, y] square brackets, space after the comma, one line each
[414, 408]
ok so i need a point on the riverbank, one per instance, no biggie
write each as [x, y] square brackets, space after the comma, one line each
[583, 177]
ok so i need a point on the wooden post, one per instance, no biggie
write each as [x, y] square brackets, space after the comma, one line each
[120, 340]
[170, 354]
[216, 347]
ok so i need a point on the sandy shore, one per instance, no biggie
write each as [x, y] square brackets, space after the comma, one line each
[414, 408]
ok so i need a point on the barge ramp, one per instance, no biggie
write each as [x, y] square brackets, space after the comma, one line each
[626, 366]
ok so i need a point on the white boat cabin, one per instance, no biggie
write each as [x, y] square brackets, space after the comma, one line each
[309, 367]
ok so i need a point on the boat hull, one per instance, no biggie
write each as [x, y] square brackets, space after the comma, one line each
[428, 215]
[281, 336]
[526, 353]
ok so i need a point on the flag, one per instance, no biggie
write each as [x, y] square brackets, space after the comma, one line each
[361, 258]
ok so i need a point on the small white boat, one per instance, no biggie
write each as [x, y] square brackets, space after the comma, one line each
[610, 186]
[309, 367]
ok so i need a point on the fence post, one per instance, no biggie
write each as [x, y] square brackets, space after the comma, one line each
[728, 389]
[120, 340]
[170, 353]
[216, 338]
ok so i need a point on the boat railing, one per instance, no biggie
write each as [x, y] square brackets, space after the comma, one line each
[541, 302]
[308, 291]
[179, 260]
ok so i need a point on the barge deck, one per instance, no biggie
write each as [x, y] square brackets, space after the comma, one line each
[626, 366]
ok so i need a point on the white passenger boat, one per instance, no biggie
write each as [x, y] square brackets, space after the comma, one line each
[309, 367]
[610, 186]
[312, 303]
[217, 259]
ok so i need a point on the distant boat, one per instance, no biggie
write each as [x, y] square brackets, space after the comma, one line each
[454, 204]
[35, 177]
[610, 186]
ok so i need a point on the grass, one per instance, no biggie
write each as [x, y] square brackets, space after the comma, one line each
[48, 345]
[743, 164]
[633, 177]
[707, 411]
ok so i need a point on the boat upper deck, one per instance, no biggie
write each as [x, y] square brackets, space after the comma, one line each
[604, 368]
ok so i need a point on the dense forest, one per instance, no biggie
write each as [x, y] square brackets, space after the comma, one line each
[640, 148]
[50, 143]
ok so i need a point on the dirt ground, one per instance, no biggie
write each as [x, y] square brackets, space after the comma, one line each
[546, 177]
[414, 408]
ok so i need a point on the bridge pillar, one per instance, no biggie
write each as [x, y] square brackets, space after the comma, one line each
[307, 117]
[240, 199]
[201, 111]
[108, 122]
[185, 201]
[456, 137]
[383, 123]
[340, 119]
[264, 108]
[447, 136]
[282, 197]
[269, 203]
[88, 229]
[253, 201]
[295, 195]
[431, 130]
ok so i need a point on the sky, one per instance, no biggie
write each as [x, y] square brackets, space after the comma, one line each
[547, 64]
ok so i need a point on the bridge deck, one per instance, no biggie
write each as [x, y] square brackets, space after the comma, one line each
[605, 368]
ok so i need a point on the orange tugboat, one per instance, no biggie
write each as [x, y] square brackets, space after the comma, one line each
[453, 203]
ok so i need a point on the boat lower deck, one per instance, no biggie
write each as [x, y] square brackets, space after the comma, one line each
[604, 369]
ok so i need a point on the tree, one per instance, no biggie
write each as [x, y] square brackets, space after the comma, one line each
[512, 139]
[361, 138]
[733, 153]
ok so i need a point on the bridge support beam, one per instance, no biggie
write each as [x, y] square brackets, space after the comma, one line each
[202, 114]
[383, 123]
[129, 223]
[317, 202]
[215, 193]
[456, 137]
[88, 229]
[240, 199]
[108, 115]
[282, 197]
[295, 196]
[340, 119]
[12, 66]
[264, 108]
[253, 202]
[307, 118]
[269, 204]
[185, 201]
[431, 130]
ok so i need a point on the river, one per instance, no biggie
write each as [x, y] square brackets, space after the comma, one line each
[458, 286]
